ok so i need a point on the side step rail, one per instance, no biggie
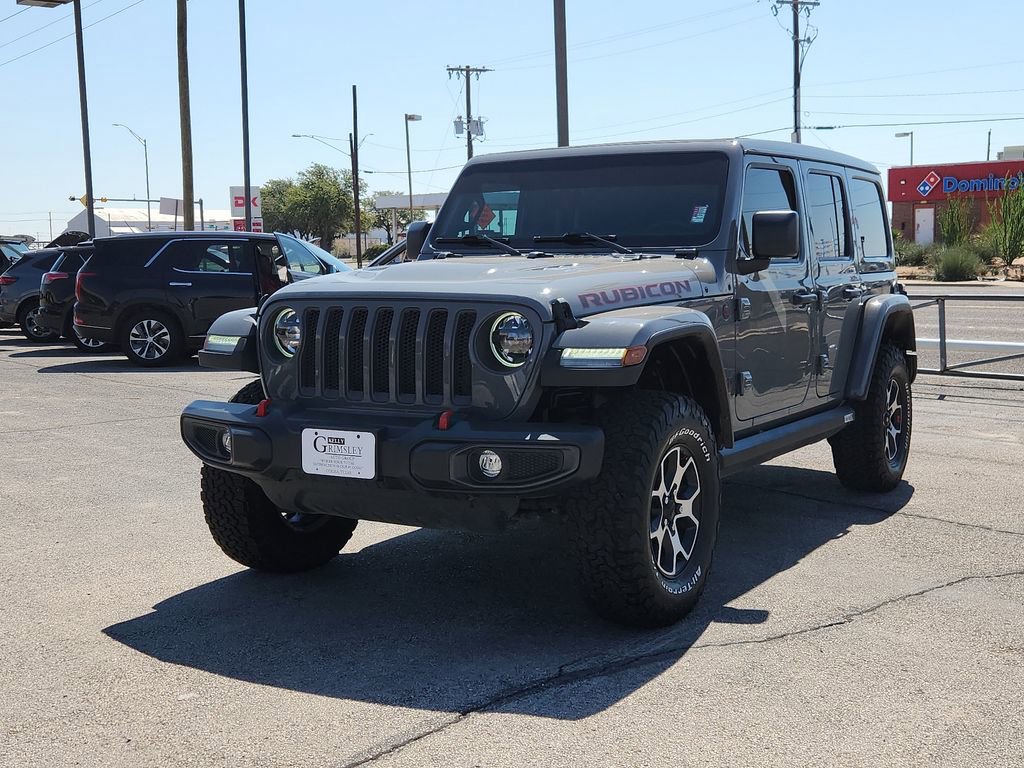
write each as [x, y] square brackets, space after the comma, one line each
[757, 449]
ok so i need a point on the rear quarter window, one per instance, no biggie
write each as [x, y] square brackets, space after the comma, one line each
[129, 253]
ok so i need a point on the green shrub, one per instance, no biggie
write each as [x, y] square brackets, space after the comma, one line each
[985, 245]
[913, 255]
[1006, 231]
[956, 264]
[375, 250]
[955, 221]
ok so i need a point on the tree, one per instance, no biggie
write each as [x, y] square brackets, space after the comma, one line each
[380, 218]
[316, 204]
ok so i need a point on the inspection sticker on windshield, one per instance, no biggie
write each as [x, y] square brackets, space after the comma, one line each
[699, 212]
[339, 454]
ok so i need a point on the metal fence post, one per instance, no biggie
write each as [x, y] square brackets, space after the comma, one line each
[942, 335]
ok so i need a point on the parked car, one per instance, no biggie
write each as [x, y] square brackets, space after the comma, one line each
[155, 294]
[10, 251]
[57, 299]
[19, 293]
[600, 333]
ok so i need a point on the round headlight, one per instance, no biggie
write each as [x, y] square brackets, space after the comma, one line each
[288, 331]
[511, 339]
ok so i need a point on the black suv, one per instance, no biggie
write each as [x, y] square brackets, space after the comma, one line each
[156, 294]
[19, 293]
[57, 299]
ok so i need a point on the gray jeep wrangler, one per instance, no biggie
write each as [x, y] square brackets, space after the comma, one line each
[601, 333]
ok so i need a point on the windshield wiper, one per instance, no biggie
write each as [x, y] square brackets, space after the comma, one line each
[583, 237]
[478, 237]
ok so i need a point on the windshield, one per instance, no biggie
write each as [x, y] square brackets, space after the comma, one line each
[646, 200]
[291, 243]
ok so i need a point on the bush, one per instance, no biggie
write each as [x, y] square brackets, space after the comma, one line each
[1006, 231]
[956, 264]
[374, 251]
[913, 255]
[955, 221]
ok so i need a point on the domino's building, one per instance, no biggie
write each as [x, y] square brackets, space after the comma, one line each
[918, 193]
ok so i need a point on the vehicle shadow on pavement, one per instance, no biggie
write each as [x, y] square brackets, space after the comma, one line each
[117, 363]
[450, 621]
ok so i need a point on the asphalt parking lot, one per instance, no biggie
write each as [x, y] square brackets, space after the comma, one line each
[837, 629]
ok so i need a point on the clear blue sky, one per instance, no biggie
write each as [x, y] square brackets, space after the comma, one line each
[647, 69]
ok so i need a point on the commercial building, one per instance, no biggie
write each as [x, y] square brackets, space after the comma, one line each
[918, 193]
[124, 221]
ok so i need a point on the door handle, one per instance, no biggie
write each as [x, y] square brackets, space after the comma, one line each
[852, 292]
[181, 285]
[803, 299]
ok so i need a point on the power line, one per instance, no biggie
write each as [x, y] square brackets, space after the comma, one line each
[912, 95]
[72, 34]
[46, 26]
[16, 13]
[898, 125]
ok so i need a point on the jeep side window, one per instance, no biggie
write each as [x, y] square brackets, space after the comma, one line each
[868, 219]
[766, 189]
[826, 211]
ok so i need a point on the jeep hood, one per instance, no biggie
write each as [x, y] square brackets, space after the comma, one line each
[590, 284]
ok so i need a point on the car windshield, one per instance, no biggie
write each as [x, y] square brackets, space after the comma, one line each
[640, 199]
[336, 264]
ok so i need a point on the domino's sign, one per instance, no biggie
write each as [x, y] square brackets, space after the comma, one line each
[990, 183]
[974, 180]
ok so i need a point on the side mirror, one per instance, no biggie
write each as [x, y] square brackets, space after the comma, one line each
[415, 237]
[774, 235]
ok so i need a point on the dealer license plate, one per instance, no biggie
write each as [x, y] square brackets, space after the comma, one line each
[339, 453]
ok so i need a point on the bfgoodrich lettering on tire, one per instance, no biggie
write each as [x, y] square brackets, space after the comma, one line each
[645, 531]
[252, 531]
[871, 453]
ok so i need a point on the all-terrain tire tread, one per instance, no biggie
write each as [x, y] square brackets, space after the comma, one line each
[613, 552]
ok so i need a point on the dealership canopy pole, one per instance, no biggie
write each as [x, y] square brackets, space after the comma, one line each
[354, 141]
[561, 76]
[86, 149]
[246, 181]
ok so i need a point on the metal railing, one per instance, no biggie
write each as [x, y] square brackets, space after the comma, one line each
[1013, 350]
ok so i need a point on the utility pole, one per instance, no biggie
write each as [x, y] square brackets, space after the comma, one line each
[561, 76]
[353, 142]
[798, 47]
[185, 111]
[244, 66]
[988, 149]
[467, 72]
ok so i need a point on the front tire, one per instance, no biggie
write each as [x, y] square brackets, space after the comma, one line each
[252, 531]
[645, 530]
[871, 453]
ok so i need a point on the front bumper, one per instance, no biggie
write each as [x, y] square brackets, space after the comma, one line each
[424, 475]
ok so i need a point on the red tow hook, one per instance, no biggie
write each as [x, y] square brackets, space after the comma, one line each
[261, 409]
[444, 421]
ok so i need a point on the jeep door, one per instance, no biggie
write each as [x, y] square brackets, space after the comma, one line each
[835, 273]
[774, 305]
[206, 278]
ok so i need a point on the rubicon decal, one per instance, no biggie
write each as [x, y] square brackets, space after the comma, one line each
[667, 290]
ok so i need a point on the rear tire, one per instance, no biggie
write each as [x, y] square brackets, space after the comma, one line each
[85, 345]
[28, 317]
[152, 338]
[871, 453]
[252, 531]
[645, 530]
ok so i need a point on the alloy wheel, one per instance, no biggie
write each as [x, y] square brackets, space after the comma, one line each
[150, 339]
[893, 421]
[675, 511]
[86, 342]
[35, 330]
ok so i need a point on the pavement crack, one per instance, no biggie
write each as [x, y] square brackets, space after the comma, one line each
[614, 666]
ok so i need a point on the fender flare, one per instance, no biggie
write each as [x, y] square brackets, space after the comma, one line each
[242, 324]
[650, 327]
[889, 314]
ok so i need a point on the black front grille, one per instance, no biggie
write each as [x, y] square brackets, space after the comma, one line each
[388, 354]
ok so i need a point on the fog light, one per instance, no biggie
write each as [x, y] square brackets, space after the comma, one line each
[490, 464]
[225, 440]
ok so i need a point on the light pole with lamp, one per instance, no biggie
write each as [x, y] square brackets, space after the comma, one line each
[408, 153]
[910, 134]
[86, 149]
[145, 152]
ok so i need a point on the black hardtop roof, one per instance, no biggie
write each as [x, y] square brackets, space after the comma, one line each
[186, 234]
[734, 147]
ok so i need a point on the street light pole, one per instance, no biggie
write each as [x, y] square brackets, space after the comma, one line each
[561, 76]
[408, 154]
[905, 134]
[145, 152]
